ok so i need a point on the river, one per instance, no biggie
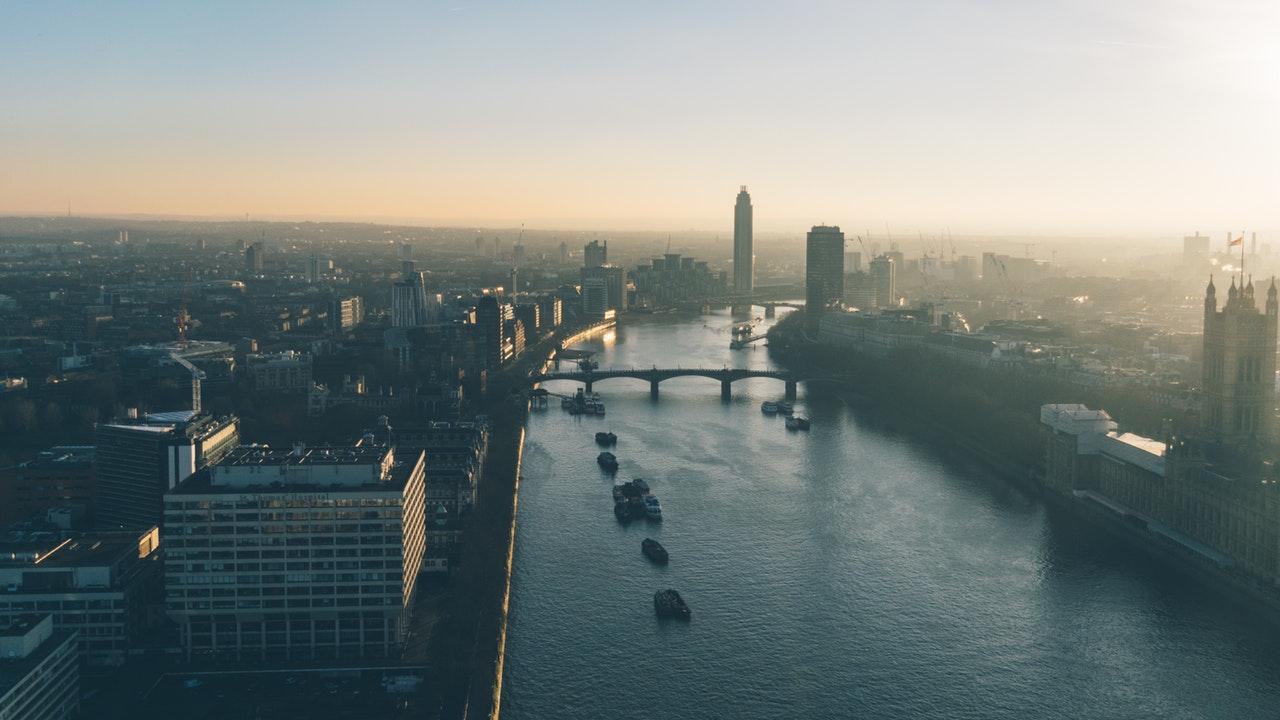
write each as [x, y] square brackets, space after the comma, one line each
[847, 571]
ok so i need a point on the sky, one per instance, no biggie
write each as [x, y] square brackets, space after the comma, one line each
[1104, 117]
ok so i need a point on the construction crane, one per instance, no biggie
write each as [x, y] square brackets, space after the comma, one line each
[197, 375]
[183, 319]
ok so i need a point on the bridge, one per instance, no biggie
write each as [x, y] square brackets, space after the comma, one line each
[726, 376]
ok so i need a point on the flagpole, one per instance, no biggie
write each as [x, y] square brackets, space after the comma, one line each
[1242, 261]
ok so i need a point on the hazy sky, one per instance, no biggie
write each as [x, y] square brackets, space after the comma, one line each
[1100, 116]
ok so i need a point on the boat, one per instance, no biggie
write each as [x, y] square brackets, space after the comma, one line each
[796, 422]
[606, 438]
[668, 603]
[769, 407]
[652, 508]
[785, 407]
[617, 489]
[607, 460]
[653, 550]
[640, 485]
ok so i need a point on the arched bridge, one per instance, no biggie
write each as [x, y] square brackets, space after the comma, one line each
[655, 375]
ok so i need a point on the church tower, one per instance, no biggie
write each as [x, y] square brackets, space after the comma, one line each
[1238, 385]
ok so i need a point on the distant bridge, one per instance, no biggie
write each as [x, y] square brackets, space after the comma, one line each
[726, 376]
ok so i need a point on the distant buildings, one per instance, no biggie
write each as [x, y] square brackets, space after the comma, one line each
[824, 272]
[284, 372]
[1239, 393]
[743, 249]
[594, 254]
[603, 290]
[296, 555]
[672, 279]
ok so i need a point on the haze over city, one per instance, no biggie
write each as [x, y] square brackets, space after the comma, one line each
[1141, 118]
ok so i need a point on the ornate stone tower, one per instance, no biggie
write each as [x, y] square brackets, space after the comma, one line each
[1238, 387]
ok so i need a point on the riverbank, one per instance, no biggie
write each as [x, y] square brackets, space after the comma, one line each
[466, 649]
[1016, 459]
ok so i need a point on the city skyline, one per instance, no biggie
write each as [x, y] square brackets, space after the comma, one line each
[977, 117]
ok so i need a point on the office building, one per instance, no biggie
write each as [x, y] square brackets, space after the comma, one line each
[139, 459]
[743, 259]
[300, 555]
[824, 273]
[288, 371]
[61, 477]
[409, 302]
[1239, 393]
[101, 585]
[39, 671]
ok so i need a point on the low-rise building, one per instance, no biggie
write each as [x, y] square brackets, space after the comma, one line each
[39, 670]
[99, 585]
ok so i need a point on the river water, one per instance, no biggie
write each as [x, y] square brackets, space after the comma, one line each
[847, 571]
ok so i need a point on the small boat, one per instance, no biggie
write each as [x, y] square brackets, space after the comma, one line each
[621, 511]
[652, 508]
[640, 485]
[785, 407]
[606, 438]
[608, 461]
[797, 423]
[618, 486]
[769, 407]
[668, 603]
[653, 550]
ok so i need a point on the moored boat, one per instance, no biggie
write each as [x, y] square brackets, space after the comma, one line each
[640, 485]
[769, 407]
[607, 461]
[653, 550]
[606, 438]
[652, 508]
[668, 603]
[796, 422]
[785, 407]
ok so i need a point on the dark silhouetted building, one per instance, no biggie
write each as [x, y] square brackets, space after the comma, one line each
[1239, 368]
[743, 259]
[823, 272]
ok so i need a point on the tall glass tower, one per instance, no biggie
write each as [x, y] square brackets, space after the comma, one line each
[743, 259]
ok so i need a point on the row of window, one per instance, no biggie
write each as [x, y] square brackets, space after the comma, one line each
[356, 601]
[254, 503]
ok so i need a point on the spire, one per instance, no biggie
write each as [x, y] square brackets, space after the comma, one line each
[1210, 297]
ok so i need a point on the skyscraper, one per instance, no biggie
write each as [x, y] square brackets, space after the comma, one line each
[1239, 367]
[743, 259]
[823, 272]
[883, 271]
[594, 254]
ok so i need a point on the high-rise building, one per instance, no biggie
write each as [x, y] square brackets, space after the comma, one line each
[409, 303]
[823, 272]
[1239, 368]
[313, 270]
[603, 289]
[883, 271]
[489, 320]
[594, 254]
[743, 259]
[328, 545]
[139, 459]
[253, 258]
